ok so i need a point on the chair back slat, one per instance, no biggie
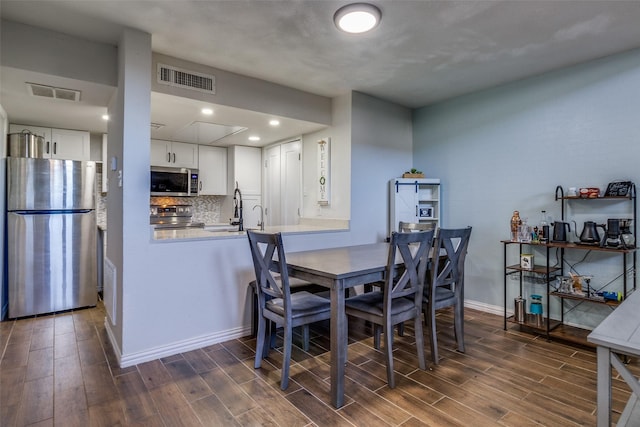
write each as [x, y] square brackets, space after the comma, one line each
[407, 279]
[453, 244]
[267, 251]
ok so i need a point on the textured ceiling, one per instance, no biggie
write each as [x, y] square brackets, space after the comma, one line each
[423, 51]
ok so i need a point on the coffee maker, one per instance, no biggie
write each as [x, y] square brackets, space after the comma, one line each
[619, 233]
[627, 237]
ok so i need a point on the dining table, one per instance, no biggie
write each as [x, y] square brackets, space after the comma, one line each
[339, 269]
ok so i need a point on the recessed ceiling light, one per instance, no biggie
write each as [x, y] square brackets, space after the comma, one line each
[254, 138]
[274, 122]
[105, 117]
[207, 111]
[357, 18]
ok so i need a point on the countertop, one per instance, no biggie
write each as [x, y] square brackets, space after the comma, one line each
[218, 231]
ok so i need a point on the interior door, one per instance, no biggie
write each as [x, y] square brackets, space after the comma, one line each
[290, 182]
[283, 184]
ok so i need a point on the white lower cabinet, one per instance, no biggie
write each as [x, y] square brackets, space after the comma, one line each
[212, 167]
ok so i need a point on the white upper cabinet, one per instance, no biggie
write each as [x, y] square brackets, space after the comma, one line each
[36, 130]
[212, 167]
[60, 143]
[70, 144]
[245, 168]
[174, 154]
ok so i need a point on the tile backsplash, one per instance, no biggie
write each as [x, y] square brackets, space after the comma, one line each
[101, 210]
[206, 209]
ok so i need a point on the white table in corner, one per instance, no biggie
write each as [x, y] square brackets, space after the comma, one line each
[619, 333]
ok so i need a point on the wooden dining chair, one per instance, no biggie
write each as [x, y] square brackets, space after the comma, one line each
[400, 299]
[296, 285]
[276, 302]
[445, 287]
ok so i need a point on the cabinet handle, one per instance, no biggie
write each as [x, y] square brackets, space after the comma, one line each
[416, 210]
[48, 147]
[55, 148]
[200, 187]
[168, 157]
[174, 157]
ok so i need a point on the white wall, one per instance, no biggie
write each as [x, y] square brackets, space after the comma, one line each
[508, 148]
[339, 133]
[381, 149]
[248, 93]
[35, 49]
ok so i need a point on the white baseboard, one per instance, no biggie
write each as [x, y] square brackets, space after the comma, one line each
[487, 308]
[112, 339]
[499, 310]
[125, 360]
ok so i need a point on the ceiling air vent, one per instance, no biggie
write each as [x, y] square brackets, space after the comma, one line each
[53, 92]
[173, 76]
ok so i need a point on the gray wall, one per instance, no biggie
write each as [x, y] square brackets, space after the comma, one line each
[508, 148]
[36, 49]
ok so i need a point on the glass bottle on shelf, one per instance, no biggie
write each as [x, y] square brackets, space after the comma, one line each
[544, 228]
[515, 223]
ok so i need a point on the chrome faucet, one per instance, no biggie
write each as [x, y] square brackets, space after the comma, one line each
[237, 212]
[261, 223]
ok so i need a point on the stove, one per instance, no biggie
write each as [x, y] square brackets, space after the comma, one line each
[172, 217]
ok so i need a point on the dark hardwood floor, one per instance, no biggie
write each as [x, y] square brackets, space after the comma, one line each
[59, 370]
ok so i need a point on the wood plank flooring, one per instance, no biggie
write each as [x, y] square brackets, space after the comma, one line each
[59, 370]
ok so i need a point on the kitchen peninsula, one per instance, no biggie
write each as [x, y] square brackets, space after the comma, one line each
[223, 232]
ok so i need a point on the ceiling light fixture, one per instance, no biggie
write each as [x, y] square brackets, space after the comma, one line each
[207, 111]
[274, 122]
[254, 138]
[105, 117]
[357, 18]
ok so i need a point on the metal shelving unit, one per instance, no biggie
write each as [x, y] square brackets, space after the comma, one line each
[547, 273]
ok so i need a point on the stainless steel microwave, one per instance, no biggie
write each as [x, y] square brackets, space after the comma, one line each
[176, 182]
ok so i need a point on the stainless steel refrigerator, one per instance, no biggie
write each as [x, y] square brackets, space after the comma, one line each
[51, 235]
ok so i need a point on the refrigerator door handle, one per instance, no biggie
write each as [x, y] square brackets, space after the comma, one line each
[49, 212]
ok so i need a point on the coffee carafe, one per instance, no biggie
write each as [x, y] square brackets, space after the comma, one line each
[590, 236]
[560, 231]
